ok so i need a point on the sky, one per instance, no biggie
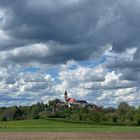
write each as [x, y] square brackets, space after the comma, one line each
[91, 48]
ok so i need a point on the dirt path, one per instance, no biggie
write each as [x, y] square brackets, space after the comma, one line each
[68, 136]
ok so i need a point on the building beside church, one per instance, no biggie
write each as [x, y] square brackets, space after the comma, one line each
[73, 102]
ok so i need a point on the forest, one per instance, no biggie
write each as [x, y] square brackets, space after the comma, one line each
[124, 114]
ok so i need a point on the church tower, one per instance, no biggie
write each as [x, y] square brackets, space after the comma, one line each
[65, 96]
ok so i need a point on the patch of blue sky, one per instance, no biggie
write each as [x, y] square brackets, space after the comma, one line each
[53, 72]
[1, 18]
[15, 99]
[93, 63]
[110, 69]
[73, 67]
[88, 63]
[31, 69]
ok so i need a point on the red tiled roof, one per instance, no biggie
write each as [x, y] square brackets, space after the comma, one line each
[71, 100]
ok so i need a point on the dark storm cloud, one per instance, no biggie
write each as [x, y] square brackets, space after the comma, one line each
[122, 64]
[71, 23]
[49, 53]
[131, 74]
[126, 31]
[129, 67]
[46, 20]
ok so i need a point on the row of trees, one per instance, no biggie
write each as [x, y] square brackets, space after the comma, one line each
[21, 112]
[124, 114]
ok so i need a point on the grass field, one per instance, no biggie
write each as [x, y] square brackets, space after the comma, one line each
[57, 130]
[51, 125]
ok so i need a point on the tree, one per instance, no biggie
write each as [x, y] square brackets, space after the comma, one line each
[114, 118]
[35, 112]
[137, 116]
[123, 107]
[17, 114]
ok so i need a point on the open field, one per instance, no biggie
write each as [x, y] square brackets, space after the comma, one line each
[50, 125]
[55, 130]
[69, 136]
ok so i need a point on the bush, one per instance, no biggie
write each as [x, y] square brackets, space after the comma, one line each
[3, 118]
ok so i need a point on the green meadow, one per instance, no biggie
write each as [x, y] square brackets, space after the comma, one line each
[59, 126]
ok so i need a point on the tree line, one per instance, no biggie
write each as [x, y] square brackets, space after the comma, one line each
[124, 114]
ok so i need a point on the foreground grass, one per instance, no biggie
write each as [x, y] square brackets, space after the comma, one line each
[50, 125]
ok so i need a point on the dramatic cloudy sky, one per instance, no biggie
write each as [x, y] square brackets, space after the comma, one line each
[91, 48]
